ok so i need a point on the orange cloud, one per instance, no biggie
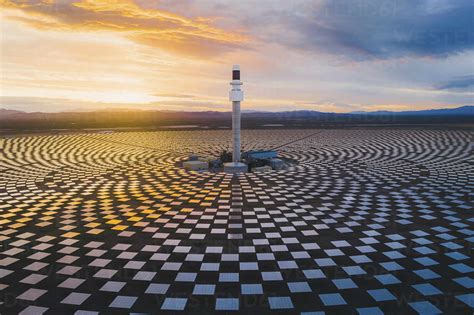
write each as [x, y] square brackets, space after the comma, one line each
[152, 27]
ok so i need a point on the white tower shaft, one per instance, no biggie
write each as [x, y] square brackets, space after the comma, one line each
[236, 95]
[236, 131]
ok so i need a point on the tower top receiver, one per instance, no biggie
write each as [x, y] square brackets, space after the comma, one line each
[236, 72]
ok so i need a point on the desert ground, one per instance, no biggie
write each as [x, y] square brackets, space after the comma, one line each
[368, 221]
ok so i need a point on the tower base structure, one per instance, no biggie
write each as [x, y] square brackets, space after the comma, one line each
[235, 167]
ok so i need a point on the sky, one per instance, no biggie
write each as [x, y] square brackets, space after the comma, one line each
[323, 55]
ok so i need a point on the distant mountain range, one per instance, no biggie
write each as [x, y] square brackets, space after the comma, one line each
[120, 118]
[463, 110]
[8, 112]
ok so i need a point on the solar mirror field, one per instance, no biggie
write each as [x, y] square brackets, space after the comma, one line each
[365, 221]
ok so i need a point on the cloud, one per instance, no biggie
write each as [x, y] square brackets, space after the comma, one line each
[152, 27]
[174, 95]
[458, 83]
[379, 29]
[49, 104]
[328, 106]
